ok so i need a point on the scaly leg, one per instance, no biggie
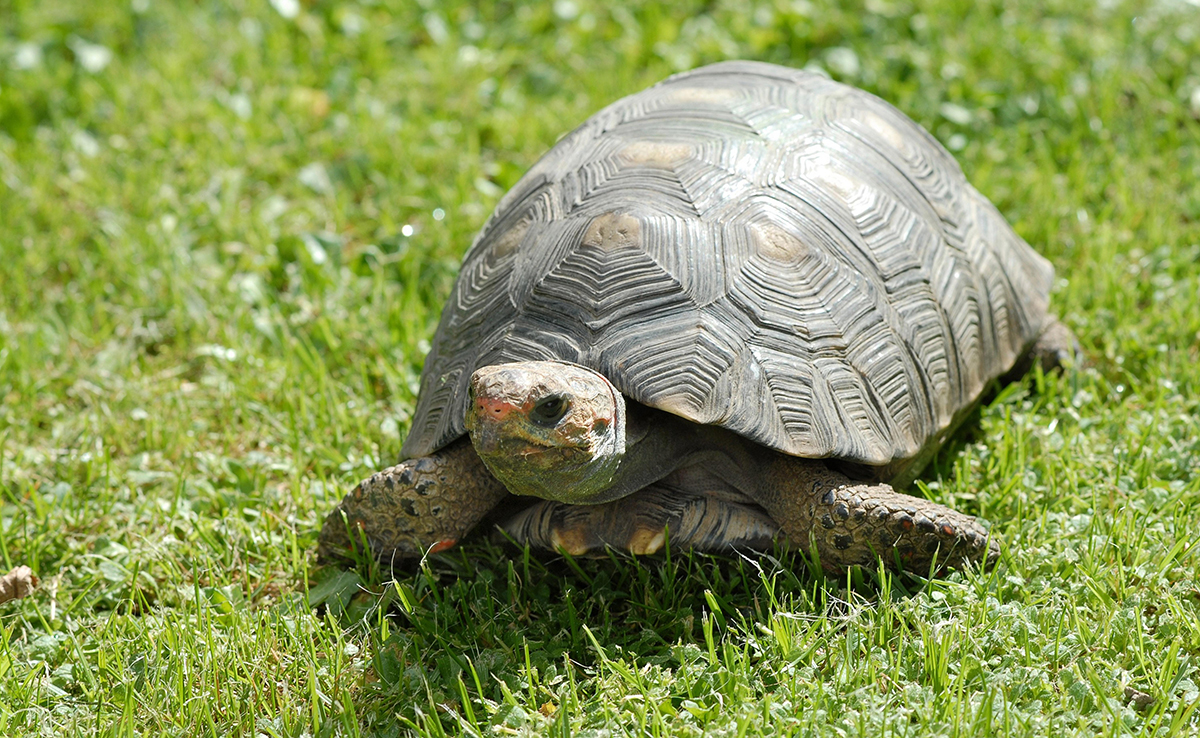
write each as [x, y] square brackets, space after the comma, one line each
[419, 506]
[848, 522]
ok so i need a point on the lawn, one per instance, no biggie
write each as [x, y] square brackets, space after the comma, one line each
[226, 232]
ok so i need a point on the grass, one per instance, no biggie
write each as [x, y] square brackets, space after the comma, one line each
[227, 230]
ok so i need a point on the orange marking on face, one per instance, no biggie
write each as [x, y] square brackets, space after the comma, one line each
[496, 410]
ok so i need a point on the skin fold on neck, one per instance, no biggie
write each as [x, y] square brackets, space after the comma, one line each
[657, 444]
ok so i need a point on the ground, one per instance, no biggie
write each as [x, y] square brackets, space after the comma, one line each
[227, 229]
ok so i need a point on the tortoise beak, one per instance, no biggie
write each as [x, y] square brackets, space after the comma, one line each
[489, 407]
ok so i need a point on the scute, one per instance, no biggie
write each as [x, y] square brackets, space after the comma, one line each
[754, 247]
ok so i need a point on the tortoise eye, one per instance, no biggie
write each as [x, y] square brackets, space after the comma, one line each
[550, 410]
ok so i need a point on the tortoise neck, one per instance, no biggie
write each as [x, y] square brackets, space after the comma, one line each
[658, 443]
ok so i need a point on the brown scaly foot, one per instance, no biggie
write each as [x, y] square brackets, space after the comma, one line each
[423, 505]
[643, 522]
[851, 523]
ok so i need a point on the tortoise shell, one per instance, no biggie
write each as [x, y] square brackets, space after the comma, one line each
[753, 247]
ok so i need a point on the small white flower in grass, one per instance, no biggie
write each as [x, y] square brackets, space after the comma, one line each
[487, 187]
[85, 143]
[250, 29]
[951, 70]
[352, 24]
[92, 57]
[316, 178]
[287, 8]
[241, 106]
[439, 214]
[217, 351]
[566, 10]
[955, 113]
[27, 56]
[273, 207]
[406, 230]
[468, 55]
[249, 286]
[438, 32]
[843, 61]
[315, 249]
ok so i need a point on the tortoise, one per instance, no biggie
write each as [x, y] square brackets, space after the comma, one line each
[739, 308]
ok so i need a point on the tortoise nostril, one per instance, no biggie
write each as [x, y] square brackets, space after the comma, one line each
[497, 409]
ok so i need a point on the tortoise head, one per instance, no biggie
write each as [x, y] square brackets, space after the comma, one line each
[549, 429]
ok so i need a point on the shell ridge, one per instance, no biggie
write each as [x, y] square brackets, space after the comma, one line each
[923, 414]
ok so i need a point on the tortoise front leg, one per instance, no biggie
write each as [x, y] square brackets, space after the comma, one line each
[643, 522]
[851, 523]
[423, 505]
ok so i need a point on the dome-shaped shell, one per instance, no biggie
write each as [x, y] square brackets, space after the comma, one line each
[753, 247]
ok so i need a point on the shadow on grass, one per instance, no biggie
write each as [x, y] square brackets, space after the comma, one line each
[504, 626]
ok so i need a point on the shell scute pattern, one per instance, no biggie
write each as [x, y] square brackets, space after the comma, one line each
[753, 247]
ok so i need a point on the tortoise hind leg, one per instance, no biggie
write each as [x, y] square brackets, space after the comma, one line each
[1056, 346]
[423, 505]
[851, 523]
[642, 524]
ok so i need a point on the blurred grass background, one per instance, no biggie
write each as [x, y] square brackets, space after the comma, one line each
[226, 231]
